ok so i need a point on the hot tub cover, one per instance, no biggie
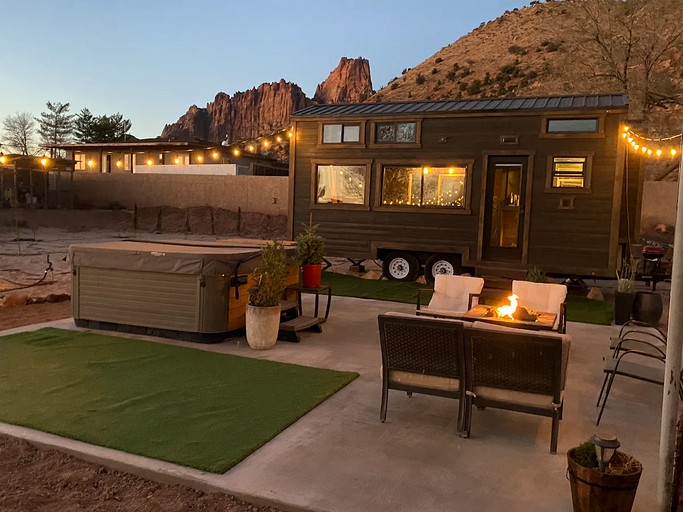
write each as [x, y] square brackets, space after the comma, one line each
[174, 257]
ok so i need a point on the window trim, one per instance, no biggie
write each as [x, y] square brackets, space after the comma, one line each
[599, 134]
[411, 162]
[588, 172]
[418, 133]
[337, 145]
[336, 206]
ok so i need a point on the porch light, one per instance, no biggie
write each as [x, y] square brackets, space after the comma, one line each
[200, 159]
[236, 152]
[451, 171]
[673, 152]
[177, 161]
[214, 154]
[425, 170]
[119, 163]
[91, 163]
[149, 161]
[43, 162]
[3, 159]
[605, 447]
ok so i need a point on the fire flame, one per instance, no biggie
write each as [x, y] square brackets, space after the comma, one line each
[508, 310]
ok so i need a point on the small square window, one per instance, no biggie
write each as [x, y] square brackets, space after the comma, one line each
[332, 133]
[351, 133]
[396, 133]
[568, 172]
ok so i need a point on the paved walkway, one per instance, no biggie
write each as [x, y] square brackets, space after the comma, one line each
[340, 457]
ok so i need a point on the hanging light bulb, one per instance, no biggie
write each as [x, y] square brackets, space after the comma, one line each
[278, 138]
[630, 139]
[636, 147]
[659, 152]
[236, 152]
[673, 152]
[643, 149]
[649, 152]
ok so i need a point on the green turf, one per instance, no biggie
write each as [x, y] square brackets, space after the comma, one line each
[182, 405]
[579, 309]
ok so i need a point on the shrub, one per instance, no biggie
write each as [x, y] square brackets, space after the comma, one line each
[420, 79]
[450, 76]
[310, 246]
[394, 85]
[438, 60]
[270, 276]
[474, 88]
[517, 50]
[536, 275]
[434, 71]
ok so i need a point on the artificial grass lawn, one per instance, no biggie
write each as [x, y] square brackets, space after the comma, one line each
[182, 405]
[579, 309]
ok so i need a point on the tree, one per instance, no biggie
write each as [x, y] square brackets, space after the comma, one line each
[55, 125]
[19, 133]
[88, 128]
[638, 45]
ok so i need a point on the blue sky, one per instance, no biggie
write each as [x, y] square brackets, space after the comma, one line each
[152, 59]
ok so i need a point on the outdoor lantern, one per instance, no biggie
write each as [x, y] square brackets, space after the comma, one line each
[605, 447]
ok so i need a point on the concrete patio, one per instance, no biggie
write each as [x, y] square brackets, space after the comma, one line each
[340, 457]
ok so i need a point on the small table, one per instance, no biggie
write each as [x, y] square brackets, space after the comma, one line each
[544, 322]
[300, 289]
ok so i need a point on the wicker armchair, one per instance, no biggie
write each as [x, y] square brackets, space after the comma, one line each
[517, 370]
[421, 355]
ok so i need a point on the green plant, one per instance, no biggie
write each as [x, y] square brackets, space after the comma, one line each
[626, 276]
[310, 246]
[270, 276]
[620, 464]
[536, 275]
[585, 455]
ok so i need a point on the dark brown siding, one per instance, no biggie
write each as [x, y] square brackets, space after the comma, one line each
[577, 240]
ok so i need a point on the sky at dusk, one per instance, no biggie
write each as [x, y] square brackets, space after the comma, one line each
[152, 59]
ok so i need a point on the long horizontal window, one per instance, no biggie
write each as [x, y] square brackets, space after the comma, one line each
[340, 184]
[424, 186]
[568, 172]
[589, 125]
[396, 133]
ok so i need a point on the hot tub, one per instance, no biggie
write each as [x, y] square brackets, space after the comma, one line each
[187, 290]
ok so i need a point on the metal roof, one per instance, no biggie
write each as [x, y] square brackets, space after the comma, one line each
[584, 102]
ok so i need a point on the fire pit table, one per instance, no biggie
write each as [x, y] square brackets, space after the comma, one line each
[483, 313]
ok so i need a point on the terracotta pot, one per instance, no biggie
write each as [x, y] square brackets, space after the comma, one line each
[311, 275]
[648, 307]
[623, 306]
[263, 324]
[594, 491]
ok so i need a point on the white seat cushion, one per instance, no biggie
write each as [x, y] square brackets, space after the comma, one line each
[452, 293]
[543, 297]
[424, 381]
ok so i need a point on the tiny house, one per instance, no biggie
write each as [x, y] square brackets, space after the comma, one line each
[486, 185]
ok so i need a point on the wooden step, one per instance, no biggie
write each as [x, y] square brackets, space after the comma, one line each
[289, 330]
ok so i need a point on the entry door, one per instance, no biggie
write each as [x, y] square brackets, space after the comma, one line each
[504, 208]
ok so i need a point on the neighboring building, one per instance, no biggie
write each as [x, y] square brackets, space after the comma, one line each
[35, 181]
[492, 184]
[169, 157]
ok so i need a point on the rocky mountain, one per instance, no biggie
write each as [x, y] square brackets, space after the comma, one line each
[266, 108]
[350, 82]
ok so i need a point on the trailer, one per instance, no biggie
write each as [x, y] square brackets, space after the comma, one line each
[488, 186]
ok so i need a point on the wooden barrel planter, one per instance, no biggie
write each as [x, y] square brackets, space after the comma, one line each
[648, 307]
[595, 491]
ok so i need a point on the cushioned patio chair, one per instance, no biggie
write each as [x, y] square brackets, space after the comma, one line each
[544, 297]
[421, 355]
[517, 370]
[453, 296]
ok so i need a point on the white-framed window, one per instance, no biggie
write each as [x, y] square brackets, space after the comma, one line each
[341, 133]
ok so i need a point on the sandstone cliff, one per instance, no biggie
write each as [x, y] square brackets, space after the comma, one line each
[349, 82]
[266, 109]
[244, 115]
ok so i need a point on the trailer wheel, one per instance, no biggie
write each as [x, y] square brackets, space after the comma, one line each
[400, 266]
[441, 264]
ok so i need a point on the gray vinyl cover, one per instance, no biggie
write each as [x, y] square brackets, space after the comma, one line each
[173, 257]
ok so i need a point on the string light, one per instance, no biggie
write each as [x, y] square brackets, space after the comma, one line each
[236, 152]
[644, 144]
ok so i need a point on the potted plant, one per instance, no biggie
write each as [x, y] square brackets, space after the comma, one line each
[625, 295]
[263, 309]
[310, 251]
[602, 478]
[536, 275]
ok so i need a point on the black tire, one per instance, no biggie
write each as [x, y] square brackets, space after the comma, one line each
[446, 264]
[400, 266]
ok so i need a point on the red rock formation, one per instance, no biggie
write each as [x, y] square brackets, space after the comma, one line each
[349, 83]
[265, 109]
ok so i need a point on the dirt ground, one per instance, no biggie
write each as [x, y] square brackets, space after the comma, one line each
[38, 480]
